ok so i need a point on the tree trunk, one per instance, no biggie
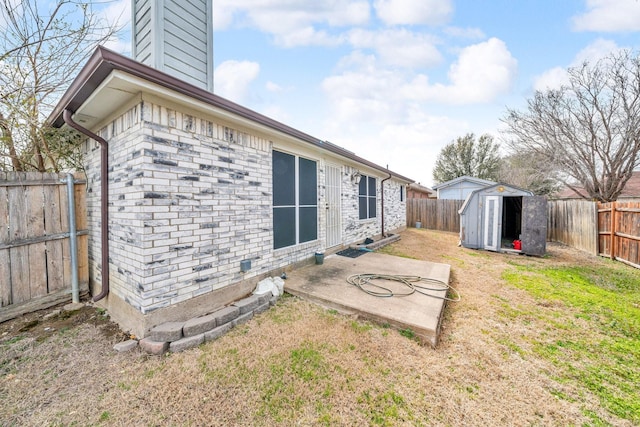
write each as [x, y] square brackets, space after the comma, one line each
[7, 139]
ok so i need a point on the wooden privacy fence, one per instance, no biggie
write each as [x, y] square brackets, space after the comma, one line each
[434, 214]
[606, 229]
[619, 231]
[573, 223]
[35, 255]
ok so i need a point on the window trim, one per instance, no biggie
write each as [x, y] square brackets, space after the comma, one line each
[297, 206]
[368, 197]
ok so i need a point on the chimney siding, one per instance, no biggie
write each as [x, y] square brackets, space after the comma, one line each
[175, 37]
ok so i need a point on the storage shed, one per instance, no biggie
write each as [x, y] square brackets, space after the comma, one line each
[504, 218]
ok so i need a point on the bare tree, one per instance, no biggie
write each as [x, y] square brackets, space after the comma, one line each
[589, 129]
[466, 156]
[40, 51]
[529, 171]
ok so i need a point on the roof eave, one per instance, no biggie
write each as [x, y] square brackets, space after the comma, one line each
[104, 61]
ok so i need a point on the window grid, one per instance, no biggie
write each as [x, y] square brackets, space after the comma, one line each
[295, 206]
[367, 201]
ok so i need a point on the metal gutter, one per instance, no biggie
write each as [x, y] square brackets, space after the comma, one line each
[104, 199]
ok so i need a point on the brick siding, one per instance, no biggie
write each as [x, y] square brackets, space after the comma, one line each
[190, 198]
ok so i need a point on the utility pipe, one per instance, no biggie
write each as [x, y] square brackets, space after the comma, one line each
[73, 239]
[382, 197]
[104, 199]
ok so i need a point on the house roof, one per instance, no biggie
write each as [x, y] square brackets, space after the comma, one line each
[109, 80]
[631, 190]
[464, 178]
[422, 189]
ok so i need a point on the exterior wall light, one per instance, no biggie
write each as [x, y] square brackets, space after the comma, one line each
[355, 177]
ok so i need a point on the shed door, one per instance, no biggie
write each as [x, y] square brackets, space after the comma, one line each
[491, 226]
[534, 225]
[332, 183]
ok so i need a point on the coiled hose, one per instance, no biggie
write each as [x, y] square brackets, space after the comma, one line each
[413, 284]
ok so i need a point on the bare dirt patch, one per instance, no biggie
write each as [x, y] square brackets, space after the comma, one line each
[299, 364]
[41, 325]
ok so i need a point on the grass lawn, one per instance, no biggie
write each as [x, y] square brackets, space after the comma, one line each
[592, 333]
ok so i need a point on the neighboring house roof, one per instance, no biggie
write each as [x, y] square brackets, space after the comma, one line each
[464, 178]
[116, 79]
[422, 189]
[631, 190]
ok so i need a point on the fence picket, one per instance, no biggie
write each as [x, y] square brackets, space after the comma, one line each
[83, 241]
[434, 214]
[53, 225]
[5, 271]
[34, 264]
[35, 227]
[574, 223]
[621, 241]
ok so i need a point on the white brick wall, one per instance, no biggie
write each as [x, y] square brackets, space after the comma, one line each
[189, 199]
[395, 211]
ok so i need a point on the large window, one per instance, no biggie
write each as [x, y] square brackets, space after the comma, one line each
[295, 200]
[367, 197]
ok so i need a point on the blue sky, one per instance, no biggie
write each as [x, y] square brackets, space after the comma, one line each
[396, 80]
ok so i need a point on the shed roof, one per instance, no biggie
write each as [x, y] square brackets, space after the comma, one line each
[500, 188]
[463, 179]
[109, 80]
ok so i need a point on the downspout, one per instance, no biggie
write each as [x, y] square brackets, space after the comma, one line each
[73, 239]
[104, 199]
[382, 197]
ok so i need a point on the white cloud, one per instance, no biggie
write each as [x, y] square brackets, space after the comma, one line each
[557, 76]
[465, 33]
[292, 22]
[482, 72]
[412, 12]
[307, 36]
[118, 12]
[399, 47]
[357, 96]
[609, 16]
[408, 144]
[417, 144]
[363, 91]
[551, 79]
[277, 113]
[273, 87]
[595, 51]
[367, 92]
[119, 45]
[232, 79]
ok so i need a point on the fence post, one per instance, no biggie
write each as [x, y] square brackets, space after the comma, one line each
[613, 230]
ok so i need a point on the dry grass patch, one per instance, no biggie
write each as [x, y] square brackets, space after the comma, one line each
[299, 364]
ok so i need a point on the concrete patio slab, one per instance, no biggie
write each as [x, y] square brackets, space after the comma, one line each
[326, 284]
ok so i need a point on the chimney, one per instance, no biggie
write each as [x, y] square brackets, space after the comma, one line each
[175, 37]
